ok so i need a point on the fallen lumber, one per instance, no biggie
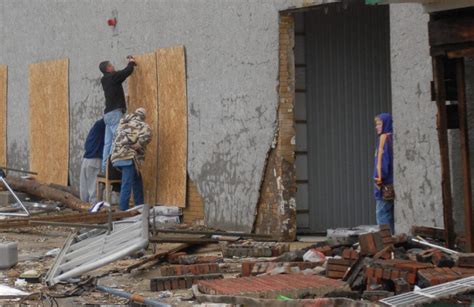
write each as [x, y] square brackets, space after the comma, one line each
[45, 191]
[157, 256]
[192, 240]
[429, 232]
[85, 217]
[218, 233]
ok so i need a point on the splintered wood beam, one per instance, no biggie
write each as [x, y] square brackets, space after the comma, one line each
[45, 191]
[438, 73]
[466, 163]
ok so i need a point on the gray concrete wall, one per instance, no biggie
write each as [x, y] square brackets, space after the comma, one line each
[232, 69]
[416, 149]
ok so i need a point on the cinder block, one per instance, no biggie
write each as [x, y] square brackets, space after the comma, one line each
[8, 254]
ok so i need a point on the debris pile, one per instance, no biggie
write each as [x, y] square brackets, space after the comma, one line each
[145, 254]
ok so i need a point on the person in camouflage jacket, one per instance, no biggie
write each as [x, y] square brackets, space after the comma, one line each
[128, 153]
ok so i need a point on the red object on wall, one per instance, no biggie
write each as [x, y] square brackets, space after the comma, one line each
[112, 22]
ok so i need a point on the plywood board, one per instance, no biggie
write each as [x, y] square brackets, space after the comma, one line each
[49, 120]
[3, 114]
[172, 126]
[143, 92]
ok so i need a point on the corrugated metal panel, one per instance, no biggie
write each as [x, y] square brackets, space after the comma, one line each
[348, 83]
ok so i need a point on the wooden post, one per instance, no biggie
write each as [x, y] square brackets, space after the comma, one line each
[438, 73]
[466, 163]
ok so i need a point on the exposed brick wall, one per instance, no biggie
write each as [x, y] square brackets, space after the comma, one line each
[276, 210]
[194, 210]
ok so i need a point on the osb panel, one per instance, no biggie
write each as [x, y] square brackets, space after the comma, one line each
[194, 210]
[143, 92]
[3, 114]
[49, 120]
[172, 126]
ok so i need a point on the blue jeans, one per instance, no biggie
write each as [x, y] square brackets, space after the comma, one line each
[130, 179]
[385, 213]
[112, 120]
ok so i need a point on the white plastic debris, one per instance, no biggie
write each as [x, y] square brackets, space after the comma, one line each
[20, 283]
[314, 255]
[53, 252]
[8, 292]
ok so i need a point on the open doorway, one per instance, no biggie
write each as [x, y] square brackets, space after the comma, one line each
[342, 80]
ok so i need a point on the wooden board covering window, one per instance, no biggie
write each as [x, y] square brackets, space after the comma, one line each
[3, 114]
[143, 92]
[49, 120]
[172, 126]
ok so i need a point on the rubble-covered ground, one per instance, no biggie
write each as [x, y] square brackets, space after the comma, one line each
[364, 266]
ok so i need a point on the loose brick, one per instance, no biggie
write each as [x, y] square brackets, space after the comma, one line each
[370, 243]
[465, 260]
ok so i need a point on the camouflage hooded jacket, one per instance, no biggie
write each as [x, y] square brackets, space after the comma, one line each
[131, 130]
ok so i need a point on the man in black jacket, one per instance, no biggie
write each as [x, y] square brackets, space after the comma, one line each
[115, 105]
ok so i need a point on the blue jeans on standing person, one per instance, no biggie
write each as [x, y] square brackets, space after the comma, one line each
[384, 210]
[131, 179]
[112, 120]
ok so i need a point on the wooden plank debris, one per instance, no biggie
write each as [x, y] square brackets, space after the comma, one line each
[49, 120]
[143, 92]
[3, 114]
[86, 218]
[172, 126]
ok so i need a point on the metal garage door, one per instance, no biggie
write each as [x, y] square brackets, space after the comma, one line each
[347, 55]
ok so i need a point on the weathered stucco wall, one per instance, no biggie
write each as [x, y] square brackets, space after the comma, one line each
[232, 69]
[416, 149]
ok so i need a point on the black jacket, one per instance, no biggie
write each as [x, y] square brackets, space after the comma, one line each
[113, 90]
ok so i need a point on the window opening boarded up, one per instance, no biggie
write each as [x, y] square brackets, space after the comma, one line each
[49, 120]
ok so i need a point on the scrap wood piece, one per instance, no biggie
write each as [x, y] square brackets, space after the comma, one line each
[172, 126]
[160, 254]
[429, 232]
[45, 191]
[143, 92]
[49, 120]
[3, 114]
[86, 218]
[219, 233]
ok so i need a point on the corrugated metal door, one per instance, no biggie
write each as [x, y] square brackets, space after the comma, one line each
[347, 51]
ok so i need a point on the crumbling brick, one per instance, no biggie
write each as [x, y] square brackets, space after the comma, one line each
[401, 286]
[255, 249]
[179, 282]
[292, 285]
[193, 269]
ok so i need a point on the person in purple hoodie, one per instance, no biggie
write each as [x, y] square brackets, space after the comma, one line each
[383, 171]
